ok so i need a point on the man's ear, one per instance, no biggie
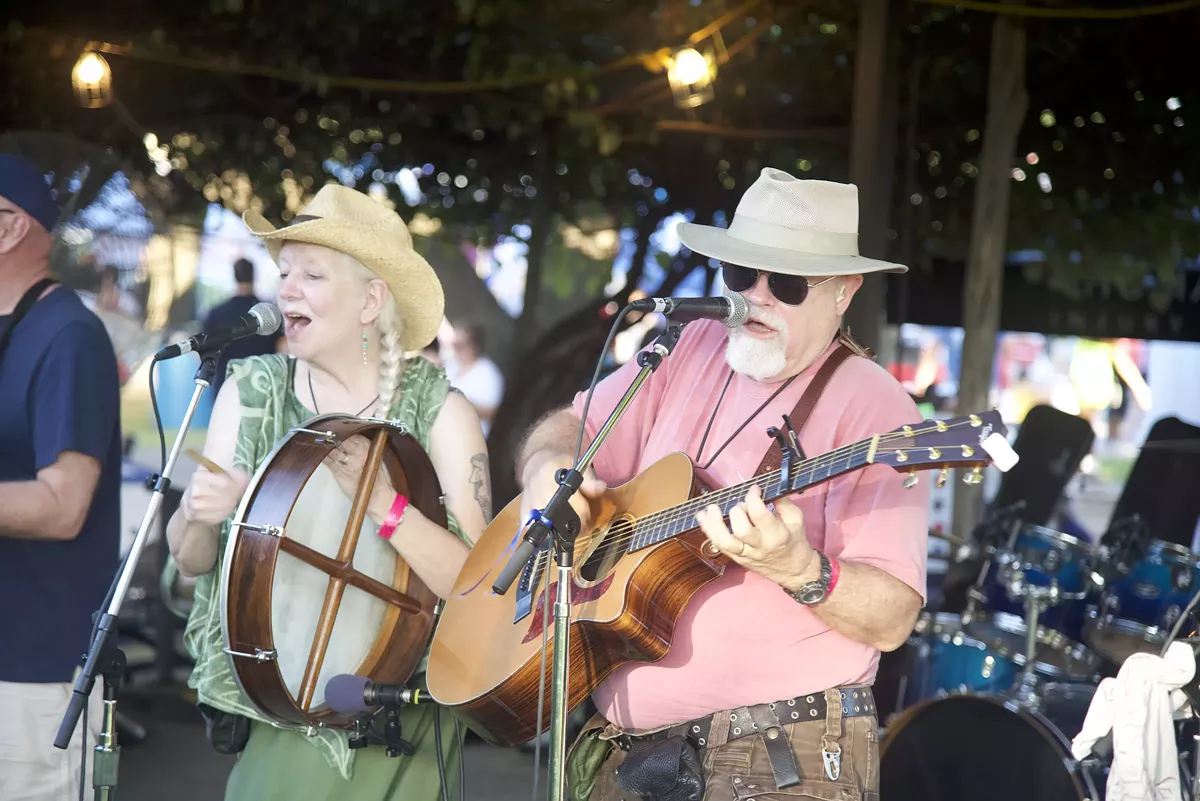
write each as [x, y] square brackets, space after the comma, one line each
[847, 288]
[13, 230]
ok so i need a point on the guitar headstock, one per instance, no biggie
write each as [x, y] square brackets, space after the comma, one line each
[974, 441]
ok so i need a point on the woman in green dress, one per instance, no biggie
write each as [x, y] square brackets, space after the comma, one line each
[355, 297]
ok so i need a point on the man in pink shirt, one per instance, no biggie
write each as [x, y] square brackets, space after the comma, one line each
[783, 647]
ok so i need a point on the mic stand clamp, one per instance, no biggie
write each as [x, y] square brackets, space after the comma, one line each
[393, 736]
[561, 522]
[103, 656]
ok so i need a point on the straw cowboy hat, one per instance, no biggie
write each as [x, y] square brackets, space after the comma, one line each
[349, 221]
[787, 225]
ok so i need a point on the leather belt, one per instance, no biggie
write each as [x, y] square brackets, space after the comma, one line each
[745, 721]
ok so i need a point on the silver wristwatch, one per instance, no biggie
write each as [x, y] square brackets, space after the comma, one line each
[815, 591]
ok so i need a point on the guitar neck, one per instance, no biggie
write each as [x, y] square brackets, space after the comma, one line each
[661, 526]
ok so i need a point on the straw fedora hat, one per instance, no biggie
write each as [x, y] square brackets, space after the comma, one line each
[349, 221]
[787, 225]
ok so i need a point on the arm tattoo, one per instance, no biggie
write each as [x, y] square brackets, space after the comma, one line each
[481, 480]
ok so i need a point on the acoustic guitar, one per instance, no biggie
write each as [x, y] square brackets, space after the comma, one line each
[635, 570]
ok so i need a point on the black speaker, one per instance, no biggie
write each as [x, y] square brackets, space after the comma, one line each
[1051, 444]
[1162, 485]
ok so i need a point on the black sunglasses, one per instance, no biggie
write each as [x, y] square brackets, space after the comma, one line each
[790, 290]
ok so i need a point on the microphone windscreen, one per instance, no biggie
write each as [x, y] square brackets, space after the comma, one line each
[344, 693]
[741, 310]
[269, 317]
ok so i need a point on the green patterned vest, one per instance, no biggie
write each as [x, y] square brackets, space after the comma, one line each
[269, 409]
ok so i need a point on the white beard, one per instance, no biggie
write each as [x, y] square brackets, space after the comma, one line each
[758, 359]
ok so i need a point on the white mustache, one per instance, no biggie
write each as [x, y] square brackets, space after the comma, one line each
[768, 318]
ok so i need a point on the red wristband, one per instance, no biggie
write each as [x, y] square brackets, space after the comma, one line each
[834, 571]
[394, 516]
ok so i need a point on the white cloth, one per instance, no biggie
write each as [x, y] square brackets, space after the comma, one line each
[31, 768]
[482, 383]
[1139, 707]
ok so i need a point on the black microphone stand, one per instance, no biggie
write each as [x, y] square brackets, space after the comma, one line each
[103, 656]
[561, 521]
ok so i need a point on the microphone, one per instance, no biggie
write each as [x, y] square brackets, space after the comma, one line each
[263, 319]
[349, 694]
[731, 309]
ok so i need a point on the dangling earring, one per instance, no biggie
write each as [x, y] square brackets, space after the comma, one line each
[841, 294]
[364, 344]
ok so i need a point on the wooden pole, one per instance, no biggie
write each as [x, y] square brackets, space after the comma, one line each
[1007, 104]
[871, 137]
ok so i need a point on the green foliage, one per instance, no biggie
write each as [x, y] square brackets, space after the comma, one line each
[1106, 176]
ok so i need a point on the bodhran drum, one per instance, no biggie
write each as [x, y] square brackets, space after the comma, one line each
[990, 748]
[308, 590]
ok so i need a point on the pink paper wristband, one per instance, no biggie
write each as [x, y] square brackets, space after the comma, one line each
[394, 516]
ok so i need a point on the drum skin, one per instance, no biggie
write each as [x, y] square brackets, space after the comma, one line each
[980, 747]
[282, 646]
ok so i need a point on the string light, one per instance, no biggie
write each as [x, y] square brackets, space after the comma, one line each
[690, 75]
[92, 80]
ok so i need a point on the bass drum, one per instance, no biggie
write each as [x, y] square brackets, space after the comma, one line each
[987, 748]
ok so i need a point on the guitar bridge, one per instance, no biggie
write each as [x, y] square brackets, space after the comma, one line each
[531, 576]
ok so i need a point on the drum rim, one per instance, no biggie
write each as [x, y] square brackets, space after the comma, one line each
[955, 630]
[1052, 537]
[1048, 731]
[235, 535]
[1173, 548]
[1155, 635]
[1052, 640]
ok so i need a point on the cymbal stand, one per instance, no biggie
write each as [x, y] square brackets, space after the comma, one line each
[103, 656]
[561, 522]
[1037, 600]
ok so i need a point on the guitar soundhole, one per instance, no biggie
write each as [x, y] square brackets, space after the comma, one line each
[612, 547]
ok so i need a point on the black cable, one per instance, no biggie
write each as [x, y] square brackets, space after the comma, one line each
[162, 439]
[83, 758]
[462, 762]
[612, 332]
[441, 759]
[537, 742]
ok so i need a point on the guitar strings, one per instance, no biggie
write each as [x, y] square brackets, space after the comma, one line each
[639, 525]
[660, 520]
[656, 522]
[811, 466]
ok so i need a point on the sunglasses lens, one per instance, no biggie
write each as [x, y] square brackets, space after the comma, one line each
[789, 289]
[738, 279]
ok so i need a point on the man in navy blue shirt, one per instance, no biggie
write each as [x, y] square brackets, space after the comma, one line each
[60, 473]
[228, 313]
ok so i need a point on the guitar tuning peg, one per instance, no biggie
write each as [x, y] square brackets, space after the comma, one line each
[911, 479]
[974, 477]
[943, 477]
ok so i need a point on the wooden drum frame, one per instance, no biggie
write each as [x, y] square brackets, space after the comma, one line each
[259, 534]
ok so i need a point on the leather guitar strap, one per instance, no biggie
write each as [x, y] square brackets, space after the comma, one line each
[804, 407]
[779, 749]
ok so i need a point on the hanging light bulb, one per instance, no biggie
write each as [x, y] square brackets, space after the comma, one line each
[690, 75]
[92, 80]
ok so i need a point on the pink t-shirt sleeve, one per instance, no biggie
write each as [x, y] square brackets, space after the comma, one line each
[870, 518]
[621, 454]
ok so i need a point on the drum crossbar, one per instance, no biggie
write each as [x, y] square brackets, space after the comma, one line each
[337, 582]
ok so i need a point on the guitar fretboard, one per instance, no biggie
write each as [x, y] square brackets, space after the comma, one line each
[660, 526]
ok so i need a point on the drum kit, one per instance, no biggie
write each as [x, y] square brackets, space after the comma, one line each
[992, 695]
